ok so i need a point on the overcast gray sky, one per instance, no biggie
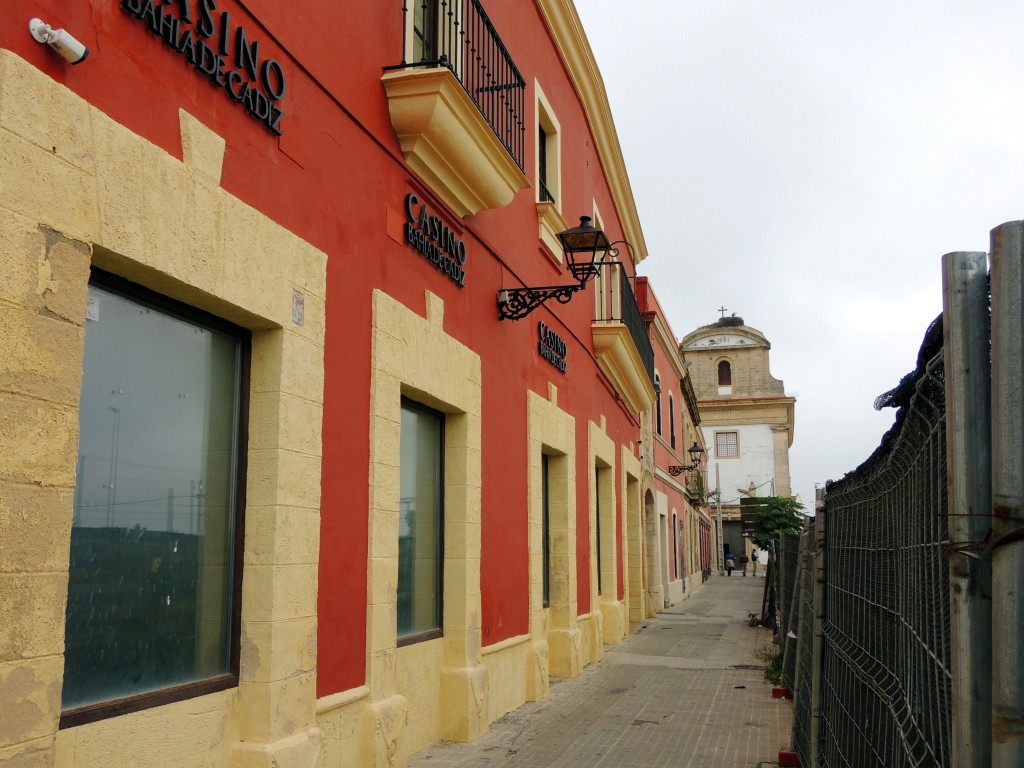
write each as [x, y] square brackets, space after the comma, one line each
[806, 164]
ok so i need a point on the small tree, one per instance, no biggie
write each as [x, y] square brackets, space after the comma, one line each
[775, 516]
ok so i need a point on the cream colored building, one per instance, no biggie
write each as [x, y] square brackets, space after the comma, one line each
[747, 417]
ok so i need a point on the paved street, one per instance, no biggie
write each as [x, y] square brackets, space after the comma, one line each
[674, 694]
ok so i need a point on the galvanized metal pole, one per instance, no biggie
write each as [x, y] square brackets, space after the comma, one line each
[791, 646]
[818, 637]
[1007, 495]
[966, 330]
[721, 544]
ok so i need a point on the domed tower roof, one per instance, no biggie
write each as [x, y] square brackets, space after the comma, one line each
[730, 359]
[746, 415]
[726, 332]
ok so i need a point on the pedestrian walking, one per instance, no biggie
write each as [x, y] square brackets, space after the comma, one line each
[743, 562]
[754, 559]
[730, 563]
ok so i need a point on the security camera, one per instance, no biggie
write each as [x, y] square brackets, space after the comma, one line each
[59, 40]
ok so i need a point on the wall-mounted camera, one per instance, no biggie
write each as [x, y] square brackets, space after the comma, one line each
[58, 39]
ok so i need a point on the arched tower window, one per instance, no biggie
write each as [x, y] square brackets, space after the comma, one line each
[724, 374]
[724, 377]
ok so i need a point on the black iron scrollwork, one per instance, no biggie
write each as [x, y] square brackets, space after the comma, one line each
[515, 303]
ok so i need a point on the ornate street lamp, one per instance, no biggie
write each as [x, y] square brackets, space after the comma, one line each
[695, 452]
[584, 247]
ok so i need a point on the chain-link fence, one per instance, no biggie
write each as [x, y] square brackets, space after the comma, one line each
[902, 630]
[884, 683]
[889, 664]
[887, 684]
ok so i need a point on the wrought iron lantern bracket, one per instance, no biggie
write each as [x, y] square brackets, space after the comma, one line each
[695, 452]
[677, 469]
[516, 303]
[585, 248]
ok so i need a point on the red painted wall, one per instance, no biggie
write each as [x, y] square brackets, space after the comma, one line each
[331, 178]
[664, 455]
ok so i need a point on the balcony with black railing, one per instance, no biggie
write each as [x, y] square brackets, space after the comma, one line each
[623, 348]
[454, 63]
[457, 34]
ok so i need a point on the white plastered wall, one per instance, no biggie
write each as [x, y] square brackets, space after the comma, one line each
[756, 462]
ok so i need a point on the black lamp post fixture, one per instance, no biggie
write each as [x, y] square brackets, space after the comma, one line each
[695, 452]
[584, 247]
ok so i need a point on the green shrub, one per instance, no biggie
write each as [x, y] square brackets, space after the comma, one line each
[771, 655]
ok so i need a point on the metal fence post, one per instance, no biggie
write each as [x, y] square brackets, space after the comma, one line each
[966, 331]
[818, 639]
[1007, 495]
[792, 634]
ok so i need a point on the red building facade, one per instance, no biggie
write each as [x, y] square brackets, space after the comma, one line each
[413, 508]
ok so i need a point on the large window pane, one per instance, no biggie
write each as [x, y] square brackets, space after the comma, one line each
[420, 532]
[150, 592]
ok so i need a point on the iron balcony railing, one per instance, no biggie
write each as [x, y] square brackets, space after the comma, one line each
[457, 34]
[545, 193]
[616, 302]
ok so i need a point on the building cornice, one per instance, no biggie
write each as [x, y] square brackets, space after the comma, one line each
[691, 400]
[663, 337]
[745, 402]
[776, 412]
[567, 32]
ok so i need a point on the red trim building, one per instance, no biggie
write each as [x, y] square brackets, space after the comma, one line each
[436, 508]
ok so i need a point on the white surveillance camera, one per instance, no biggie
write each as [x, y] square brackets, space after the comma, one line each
[58, 39]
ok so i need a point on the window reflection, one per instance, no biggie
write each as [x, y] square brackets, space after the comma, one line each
[151, 569]
[420, 533]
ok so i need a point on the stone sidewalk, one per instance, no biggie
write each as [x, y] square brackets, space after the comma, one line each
[677, 693]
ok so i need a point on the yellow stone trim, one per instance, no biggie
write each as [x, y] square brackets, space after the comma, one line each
[608, 610]
[618, 358]
[446, 140]
[632, 533]
[547, 120]
[413, 356]
[80, 188]
[327, 704]
[550, 224]
[555, 649]
[201, 149]
[505, 644]
[506, 686]
[567, 32]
